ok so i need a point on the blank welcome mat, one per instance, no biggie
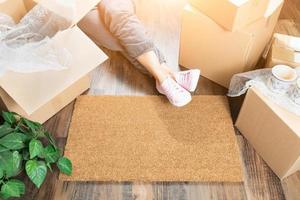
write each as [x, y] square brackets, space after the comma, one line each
[117, 138]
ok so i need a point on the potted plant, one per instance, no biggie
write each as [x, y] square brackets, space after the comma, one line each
[26, 146]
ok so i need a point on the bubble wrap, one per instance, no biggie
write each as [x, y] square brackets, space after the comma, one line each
[27, 47]
[240, 83]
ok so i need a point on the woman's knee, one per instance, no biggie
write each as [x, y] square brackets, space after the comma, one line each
[115, 7]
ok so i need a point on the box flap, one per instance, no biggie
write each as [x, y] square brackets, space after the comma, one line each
[29, 4]
[14, 8]
[263, 30]
[73, 10]
[238, 3]
[284, 54]
[272, 7]
[293, 169]
[287, 41]
[31, 91]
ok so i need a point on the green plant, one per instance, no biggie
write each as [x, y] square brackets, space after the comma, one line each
[25, 144]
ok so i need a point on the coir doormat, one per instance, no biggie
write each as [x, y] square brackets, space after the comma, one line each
[115, 138]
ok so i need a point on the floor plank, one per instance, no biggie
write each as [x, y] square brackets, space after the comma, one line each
[291, 187]
[291, 10]
[260, 182]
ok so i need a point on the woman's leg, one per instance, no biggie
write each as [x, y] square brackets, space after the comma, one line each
[120, 19]
[94, 27]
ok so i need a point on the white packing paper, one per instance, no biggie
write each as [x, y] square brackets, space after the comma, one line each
[27, 47]
[240, 83]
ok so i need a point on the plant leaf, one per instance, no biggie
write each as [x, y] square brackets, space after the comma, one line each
[5, 129]
[49, 166]
[11, 162]
[2, 149]
[36, 171]
[51, 139]
[35, 148]
[64, 165]
[21, 127]
[35, 127]
[13, 141]
[25, 154]
[16, 164]
[1, 172]
[9, 117]
[12, 188]
[51, 154]
[4, 196]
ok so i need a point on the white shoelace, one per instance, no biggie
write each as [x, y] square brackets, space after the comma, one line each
[184, 78]
[171, 88]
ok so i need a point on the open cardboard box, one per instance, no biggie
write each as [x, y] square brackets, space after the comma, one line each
[36, 93]
[285, 50]
[232, 14]
[220, 53]
[272, 131]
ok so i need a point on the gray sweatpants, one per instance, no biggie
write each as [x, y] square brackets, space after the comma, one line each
[115, 26]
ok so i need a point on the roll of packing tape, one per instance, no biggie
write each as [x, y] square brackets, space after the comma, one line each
[295, 92]
[282, 78]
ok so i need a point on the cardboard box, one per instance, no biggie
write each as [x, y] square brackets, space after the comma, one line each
[219, 53]
[33, 93]
[232, 14]
[285, 50]
[272, 131]
[44, 86]
[45, 112]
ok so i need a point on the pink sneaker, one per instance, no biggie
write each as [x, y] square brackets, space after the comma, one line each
[176, 94]
[188, 79]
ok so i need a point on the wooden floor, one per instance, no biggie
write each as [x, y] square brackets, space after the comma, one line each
[118, 77]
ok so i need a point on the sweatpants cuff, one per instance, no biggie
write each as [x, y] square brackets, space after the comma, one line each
[135, 51]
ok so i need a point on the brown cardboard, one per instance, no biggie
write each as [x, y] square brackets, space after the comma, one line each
[29, 4]
[82, 7]
[14, 8]
[219, 53]
[232, 14]
[44, 86]
[46, 111]
[138, 138]
[279, 55]
[285, 50]
[272, 131]
[34, 92]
